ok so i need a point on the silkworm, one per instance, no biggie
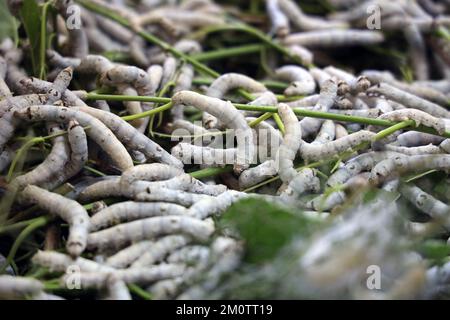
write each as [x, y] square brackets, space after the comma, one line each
[12, 287]
[59, 262]
[127, 256]
[130, 210]
[408, 99]
[326, 202]
[230, 117]
[52, 165]
[278, 20]
[215, 205]
[70, 211]
[291, 143]
[255, 175]
[97, 132]
[328, 94]
[182, 198]
[445, 145]
[77, 44]
[191, 254]
[132, 107]
[333, 38]
[305, 22]
[266, 98]
[363, 162]
[116, 289]
[419, 117]
[326, 133]
[6, 157]
[413, 151]
[131, 137]
[304, 102]
[207, 156]
[355, 84]
[309, 151]
[398, 165]
[304, 181]
[340, 131]
[414, 139]
[4, 89]
[150, 172]
[122, 235]
[182, 82]
[160, 249]
[301, 81]
[426, 203]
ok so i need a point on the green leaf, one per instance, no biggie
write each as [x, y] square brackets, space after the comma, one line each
[265, 227]
[8, 24]
[435, 250]
[30, 14]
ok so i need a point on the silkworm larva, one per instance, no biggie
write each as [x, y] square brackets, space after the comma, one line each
[150, 172]
[230, 117]
[319, 75]
[328, 202]
[309, 151]
[132, 107]
[445, 145]
[369, 113]
[426, 203]
[12, 287]
[417, 51]
[301, 81]
[52, 165]
[122, 235]
[291, 143]
[355, 84]
[363, 162]
[304, 181]
[255, 175]
[94, 64]
[69, 210]
[189, 153]
[419, 117]
[326, 133]
[127, 256]
[46, 296]
[4, 89]
[188, 46]
[115, 30]
[191, 254]
[391, 168]
[77, 43]
[334, 38]
[305, 102]
[183, 82]
[182, 198]
[327, 98]
[278, 20]
[305, 55]
[340, 131]
[414, 151]
[408, 99]
[58, 61]
[160, 249]
[130, 210]
[306, 22]
[266, 98]
[215, 205]
[116, 289]
[414, 139]
[5, 158]
[59, 262]
[97, 132]
[131, 137]
[155, 72]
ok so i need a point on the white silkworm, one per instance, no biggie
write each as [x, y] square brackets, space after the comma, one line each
[182, 82]
[445, 145]
[18, 287]
[319, 75]
[304, 181]
[117, 289]
[130, 210]
[127, 256]
[391, 168]
[155, 72]
[340, 131]
[305, 55]
[326, 133]
[419, 117]
[363, 162]
[309, 151]
[97, 132]
[119, 236]
[150, 172]
[132, 107]
[4, 89]
[408, 99]
[417, 51]
[333, 38]
[255, 175]
[414, 151]
[215, 205]
[59, 262]
[131, 137]
[192, 254]
[414, 139]
[160, 249]
[304, 102]
[5, 158]
[69, 210]
[182, 198]
[52, 165]
[230, 117]
[426, 203]
[328, 202]
[355, 84]
[278, 20]
[291, 143]
[305, 22]
[207, 156]
[301, 81]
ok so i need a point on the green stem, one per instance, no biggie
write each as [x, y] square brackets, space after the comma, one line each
[210, 172]
[388, 131]
[260, 119]
[149, 112]
[111, 97]
[21, 154]
[138, 291]
[38, 223]
[227, 52]
[17, 225]
[279, 123]
[43, 41]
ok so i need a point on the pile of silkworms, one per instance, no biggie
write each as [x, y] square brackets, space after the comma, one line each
[117, 164]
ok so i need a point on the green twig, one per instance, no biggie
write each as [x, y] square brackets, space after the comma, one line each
[228, 52]
[210, 172]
